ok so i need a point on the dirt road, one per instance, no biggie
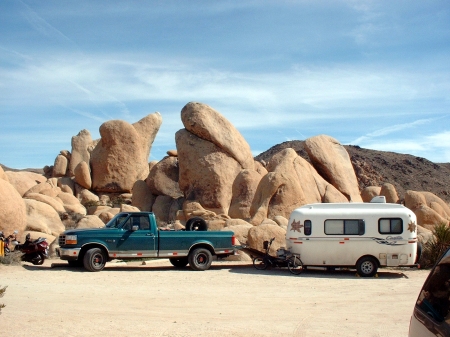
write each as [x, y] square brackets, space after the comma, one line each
[230, 299]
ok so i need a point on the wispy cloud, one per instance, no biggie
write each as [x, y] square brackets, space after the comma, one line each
[105, 80]
[42, 26]
[390, 130]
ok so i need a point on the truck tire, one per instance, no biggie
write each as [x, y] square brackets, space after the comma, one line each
[200, 259]
[196, 224]
[179, 262]
[94, 259]
[367, 266]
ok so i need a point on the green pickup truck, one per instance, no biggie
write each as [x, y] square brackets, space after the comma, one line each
[135, 235]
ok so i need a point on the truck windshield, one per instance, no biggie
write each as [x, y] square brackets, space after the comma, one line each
[117, 221]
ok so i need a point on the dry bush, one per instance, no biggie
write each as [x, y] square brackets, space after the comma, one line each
[2, 292]
[13, 258]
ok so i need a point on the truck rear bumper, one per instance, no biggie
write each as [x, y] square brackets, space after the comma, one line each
[68, 253]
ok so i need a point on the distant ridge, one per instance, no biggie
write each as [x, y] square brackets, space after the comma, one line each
[372, 167]
[35, 170]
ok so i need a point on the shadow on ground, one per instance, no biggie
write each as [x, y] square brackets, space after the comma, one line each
[238, 268]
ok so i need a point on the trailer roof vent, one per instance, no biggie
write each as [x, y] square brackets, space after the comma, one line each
[381, 199]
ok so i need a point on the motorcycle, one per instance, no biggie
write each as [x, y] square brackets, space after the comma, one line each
[33, 251]
[7, 240]
[284, 258]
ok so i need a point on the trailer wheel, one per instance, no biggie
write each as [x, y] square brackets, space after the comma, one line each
[367, 266]
[94, 259]
[200, 259]
[196, 224]
[179, 262]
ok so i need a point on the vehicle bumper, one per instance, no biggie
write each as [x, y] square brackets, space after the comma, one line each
[68, 253]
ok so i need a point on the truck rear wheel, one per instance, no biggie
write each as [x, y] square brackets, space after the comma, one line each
[179, 262]
[367, 266]
[94, 259]
[200, 259]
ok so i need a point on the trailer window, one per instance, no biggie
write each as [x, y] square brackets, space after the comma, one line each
[390, 226]
[307, 227]
[345, 227]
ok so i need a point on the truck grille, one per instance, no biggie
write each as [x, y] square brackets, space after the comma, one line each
[62, 240]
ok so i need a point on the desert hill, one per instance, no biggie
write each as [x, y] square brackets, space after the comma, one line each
[374, 168]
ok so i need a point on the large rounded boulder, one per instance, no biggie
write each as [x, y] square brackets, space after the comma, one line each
[121, 156]
[208, 124]
[333, 163]
[12, 209]
[206, 172]
[81, 146]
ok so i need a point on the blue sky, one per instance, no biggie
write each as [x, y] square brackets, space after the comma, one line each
[369, 73]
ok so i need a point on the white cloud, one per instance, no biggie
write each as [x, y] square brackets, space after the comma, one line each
[104, 79]
[390, 130]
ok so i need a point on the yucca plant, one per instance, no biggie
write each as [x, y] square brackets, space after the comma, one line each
[2, 292]
[437, 245]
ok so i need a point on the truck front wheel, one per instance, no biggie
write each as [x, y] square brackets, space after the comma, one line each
[94, 259]
[200, 259]
[179, 262]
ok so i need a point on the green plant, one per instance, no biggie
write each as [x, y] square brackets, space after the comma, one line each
[436, 246]
[2, 292]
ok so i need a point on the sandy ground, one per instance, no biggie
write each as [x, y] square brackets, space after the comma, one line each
[230, 299]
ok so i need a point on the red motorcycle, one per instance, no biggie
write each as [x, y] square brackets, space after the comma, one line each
[33, 251]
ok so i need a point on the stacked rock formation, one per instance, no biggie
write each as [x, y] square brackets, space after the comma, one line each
[211, 174]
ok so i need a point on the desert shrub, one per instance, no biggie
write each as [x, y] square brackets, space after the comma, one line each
[70, 219]
[2, 292]
[12, 258]
[91, 203]
[436, 246]
[119, 201]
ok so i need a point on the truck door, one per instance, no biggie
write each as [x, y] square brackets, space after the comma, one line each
[137, 237]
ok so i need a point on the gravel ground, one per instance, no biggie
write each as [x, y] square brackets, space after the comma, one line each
[230, 299]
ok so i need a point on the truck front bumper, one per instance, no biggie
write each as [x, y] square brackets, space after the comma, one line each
[68, 253]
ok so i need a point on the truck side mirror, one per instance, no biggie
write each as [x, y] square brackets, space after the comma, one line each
[134, 228]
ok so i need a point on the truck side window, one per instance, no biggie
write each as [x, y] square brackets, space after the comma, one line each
[307, 227]
[127, 225]
[117, 221]
[390, 226]
[145, 223]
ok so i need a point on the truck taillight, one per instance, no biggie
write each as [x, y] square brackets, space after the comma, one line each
[233, 240]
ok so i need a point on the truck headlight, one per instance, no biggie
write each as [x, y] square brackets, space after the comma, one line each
[71, 239]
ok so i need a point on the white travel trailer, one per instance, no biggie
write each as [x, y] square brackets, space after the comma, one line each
[362, 235]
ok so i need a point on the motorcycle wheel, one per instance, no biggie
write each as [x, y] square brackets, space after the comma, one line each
[260, 263]
[295, 265]
[38, 260]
